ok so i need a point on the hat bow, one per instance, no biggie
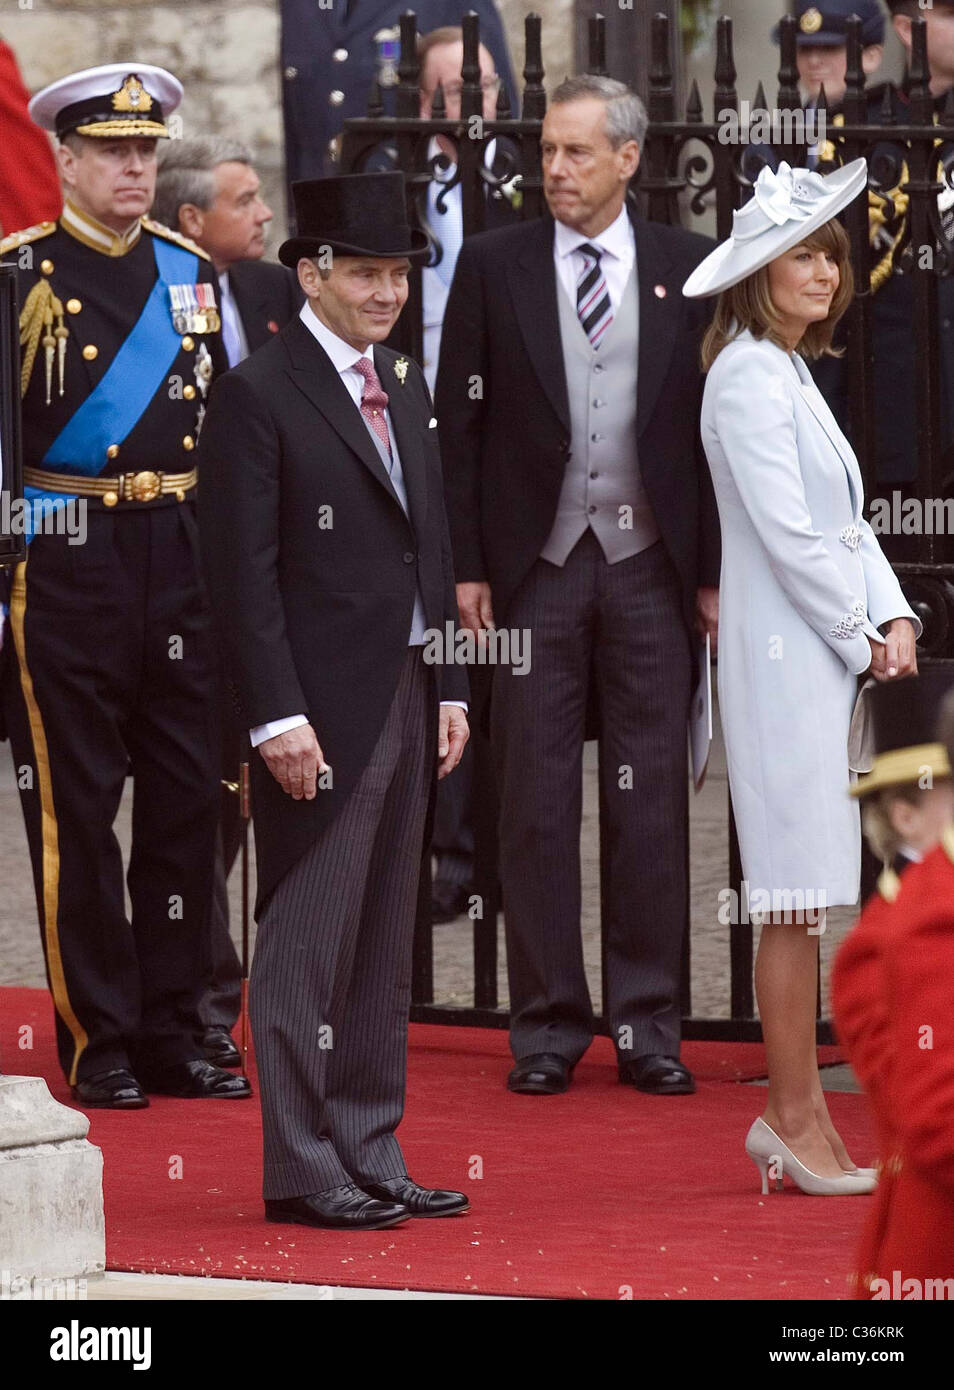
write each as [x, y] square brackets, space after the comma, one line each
[786, 196]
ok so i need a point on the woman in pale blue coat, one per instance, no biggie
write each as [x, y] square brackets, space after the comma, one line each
[807, 604]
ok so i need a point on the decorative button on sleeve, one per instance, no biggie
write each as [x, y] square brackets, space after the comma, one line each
[850, 536]
[851, 622]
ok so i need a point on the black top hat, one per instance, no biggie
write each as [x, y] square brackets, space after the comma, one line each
[905, 717]
[825, 22]
[352, 215]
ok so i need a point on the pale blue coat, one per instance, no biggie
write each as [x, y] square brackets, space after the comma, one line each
[803, 580]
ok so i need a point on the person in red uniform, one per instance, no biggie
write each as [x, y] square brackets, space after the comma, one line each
[893, 1004]
[29, 187]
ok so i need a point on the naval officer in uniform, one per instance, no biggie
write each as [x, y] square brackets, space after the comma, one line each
[107, 652]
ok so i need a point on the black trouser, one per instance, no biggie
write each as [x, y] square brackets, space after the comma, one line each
[222, 995]
[110, 671]
[623, 624]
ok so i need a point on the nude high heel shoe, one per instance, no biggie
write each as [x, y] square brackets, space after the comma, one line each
[767, 1150]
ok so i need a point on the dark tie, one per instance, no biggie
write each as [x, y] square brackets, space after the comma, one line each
[374, 402]
[592, 296]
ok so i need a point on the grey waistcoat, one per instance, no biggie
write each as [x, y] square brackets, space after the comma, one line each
[393, 465]
[602, 486]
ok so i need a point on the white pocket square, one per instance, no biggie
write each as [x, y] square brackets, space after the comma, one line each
[432, 423]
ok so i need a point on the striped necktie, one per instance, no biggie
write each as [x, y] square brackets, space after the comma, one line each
[592, 296]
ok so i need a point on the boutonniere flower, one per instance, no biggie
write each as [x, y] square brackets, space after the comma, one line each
[512, 190]
[400, 369]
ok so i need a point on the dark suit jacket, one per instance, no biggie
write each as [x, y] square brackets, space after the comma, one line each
[267, 297]
[314, 619]
[505, 453]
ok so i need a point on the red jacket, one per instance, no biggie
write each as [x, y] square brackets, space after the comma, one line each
[29, 186]
[893, 1006]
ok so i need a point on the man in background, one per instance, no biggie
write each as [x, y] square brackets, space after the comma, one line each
[330, 57]
[207, 188]
[822, 44]
[441, 58]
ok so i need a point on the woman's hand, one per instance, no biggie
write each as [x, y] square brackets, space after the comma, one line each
[897, 655]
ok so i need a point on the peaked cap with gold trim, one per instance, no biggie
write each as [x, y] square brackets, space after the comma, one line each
[905, 716]
[115, 99]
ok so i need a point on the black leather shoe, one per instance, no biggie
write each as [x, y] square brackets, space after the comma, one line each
[448, 901]
[659, 1076]
[340, 1208]
[543, 1074]
[195, 1080]
[420, 1201]
[111, 1090]
[218, 1047]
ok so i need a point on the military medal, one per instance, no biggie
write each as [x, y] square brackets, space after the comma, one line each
[202, 370]
[388, 44]
[193, 309]
[400, 369]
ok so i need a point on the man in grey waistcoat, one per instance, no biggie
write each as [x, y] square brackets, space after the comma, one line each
[581, 510]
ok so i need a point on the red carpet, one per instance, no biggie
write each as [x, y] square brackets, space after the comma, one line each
[600, 1193]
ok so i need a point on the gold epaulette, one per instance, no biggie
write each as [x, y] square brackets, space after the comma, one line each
[159, 229]
[15, 239]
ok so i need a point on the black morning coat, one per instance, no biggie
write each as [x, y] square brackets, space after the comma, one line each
[267, 296]
[505, 451]
[313, 617]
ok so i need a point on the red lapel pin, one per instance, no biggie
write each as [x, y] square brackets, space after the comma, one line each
[272, 326]
[660, 291]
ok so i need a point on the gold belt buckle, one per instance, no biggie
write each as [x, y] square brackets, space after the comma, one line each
[143, 487]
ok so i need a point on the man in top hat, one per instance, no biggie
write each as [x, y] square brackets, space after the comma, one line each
[108, 646]
[328, 554]
[893, 998]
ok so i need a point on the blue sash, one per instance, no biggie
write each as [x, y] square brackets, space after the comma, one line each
[112, 410]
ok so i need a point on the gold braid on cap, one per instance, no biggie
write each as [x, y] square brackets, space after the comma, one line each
[40, 309]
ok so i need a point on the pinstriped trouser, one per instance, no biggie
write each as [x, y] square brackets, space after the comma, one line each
[331, 979]
[624, 623]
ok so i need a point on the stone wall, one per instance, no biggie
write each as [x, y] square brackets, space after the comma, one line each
[225, 53]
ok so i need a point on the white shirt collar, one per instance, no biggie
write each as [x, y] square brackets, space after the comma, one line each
[615, 240]
[342, 354]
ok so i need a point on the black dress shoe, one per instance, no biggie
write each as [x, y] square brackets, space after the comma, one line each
[111, 1090]
[659, 1076]
[340, 1208]
[218, 1047]
[448, 900]
[543, 1074]
[420, 1201]
[197, 1079]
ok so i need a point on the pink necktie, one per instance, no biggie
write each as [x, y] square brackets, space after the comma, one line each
[374, 402]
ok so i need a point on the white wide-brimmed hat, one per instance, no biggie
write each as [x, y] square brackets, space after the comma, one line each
[784, 210]
[114, 99]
